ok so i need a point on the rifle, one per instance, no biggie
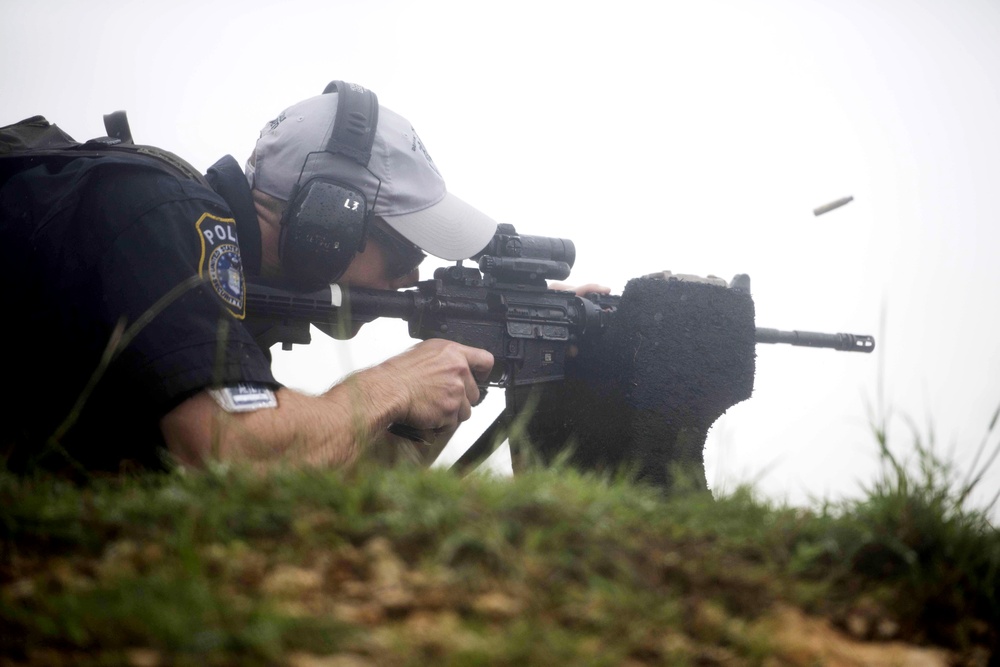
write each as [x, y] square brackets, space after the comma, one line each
[504, 306]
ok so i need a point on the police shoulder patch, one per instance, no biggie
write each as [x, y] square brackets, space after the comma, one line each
[220, 261]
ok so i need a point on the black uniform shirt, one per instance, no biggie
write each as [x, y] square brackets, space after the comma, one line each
[114, 258]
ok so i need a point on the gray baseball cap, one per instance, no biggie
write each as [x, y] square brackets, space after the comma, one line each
[412, 197]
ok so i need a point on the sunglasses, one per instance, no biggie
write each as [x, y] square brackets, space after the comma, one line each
[401, 257]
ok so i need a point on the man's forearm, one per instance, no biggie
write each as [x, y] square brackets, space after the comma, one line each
[331, 430]
[430, 387]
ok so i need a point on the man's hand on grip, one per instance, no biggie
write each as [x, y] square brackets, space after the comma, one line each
[439, 381]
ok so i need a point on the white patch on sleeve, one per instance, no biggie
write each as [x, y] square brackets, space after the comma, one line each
[244, 397]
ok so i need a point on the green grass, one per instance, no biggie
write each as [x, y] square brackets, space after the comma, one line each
[406, 567]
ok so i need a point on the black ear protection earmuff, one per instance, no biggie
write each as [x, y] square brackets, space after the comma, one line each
[326, 222]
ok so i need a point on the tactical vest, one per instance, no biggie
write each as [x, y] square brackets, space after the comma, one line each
[35, 141]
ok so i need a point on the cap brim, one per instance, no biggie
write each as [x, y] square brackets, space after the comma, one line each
[449, 229]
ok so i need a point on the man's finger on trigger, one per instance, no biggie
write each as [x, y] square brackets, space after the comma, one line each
[471, 388]
[480, 362]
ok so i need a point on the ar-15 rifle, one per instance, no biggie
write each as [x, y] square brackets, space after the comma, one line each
[505, 307]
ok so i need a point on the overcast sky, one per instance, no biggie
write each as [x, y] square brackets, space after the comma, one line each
[690, 136]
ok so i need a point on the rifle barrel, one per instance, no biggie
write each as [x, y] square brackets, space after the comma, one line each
[844, 342]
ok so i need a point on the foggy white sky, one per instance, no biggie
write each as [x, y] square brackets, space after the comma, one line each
[690, 136]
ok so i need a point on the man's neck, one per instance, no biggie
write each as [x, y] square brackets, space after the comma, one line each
[269, 216]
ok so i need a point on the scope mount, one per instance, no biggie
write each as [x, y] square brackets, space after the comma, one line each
[515, 259]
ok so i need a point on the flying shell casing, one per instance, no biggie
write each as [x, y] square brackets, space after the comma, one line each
[826, 208]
